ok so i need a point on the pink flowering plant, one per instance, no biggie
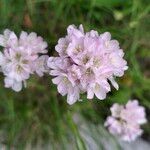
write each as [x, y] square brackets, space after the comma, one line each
[125, 120]
[21, 57]
[86, 63]
[61, 81]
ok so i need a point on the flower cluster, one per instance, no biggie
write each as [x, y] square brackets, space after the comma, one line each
[86, 62]
[20, 58]
[125, 120]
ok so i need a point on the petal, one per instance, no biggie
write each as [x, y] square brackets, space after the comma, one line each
[103, 83]
[106, 36]
[90, 94]
[51, 62]
[114, 83]
[2, 59]
[54, 73]
[12, 40]
[7, 33]
[73, 95]
[32, 36]
[23, 35]
[57, 80]
[81, 28]
[100, 93]
[8, 82]
[71, 98]
[62, 88]
[116, 110]
[17, 86]
[2, 41]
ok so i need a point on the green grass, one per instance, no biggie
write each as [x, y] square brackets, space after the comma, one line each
[39, 113]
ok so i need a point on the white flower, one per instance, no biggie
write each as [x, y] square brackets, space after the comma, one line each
[92, 60]
[41, 65]
[125, 120]
[20, 58]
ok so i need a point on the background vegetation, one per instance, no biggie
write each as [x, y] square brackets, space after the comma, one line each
[38, 114]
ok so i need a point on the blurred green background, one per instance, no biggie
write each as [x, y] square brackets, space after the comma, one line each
[38, 114]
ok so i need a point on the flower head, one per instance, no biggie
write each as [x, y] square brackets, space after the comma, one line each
[92, 60]
[20, 58]
[125, 120]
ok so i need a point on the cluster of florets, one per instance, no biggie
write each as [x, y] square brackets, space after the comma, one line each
[20, 58]
[125, 120]
[86, 62]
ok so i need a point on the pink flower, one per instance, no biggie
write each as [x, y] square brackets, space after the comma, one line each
[74, 74]
[12, 83]
[99, 88]
[131, 132]
[90, 61]
[65, 87]
[20, 58]
[34, 44]
[133, 112]
[114, 126]
[8, 39]
[40, 65]
[62, 46]
[125, 120]
[63, 79]
[116, 110]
